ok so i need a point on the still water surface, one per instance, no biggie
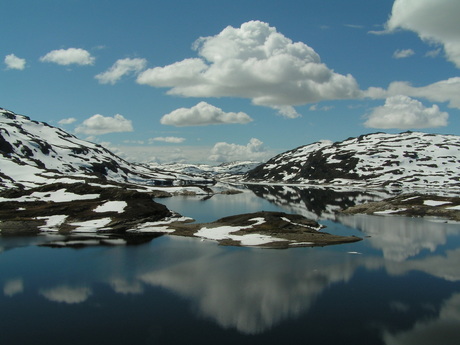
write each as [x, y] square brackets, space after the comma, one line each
[400, 285]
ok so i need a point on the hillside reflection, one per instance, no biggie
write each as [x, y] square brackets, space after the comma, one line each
[314, 203]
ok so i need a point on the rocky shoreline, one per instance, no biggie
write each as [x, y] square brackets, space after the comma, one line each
[412, 205]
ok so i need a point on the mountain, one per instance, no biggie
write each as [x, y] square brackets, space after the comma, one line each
[222, 171]
[405, 160]
[34, 153]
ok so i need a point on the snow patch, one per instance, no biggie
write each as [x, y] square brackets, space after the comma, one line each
[226, 232]
[91, 225]
[112, 206]
[435, 203]
[52, 222]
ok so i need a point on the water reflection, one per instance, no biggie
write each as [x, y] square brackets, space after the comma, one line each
[400, 238]
[444, 266]
[67, 294]
[444, 329]
[314, 203]
[13, 287]
[403, 289]
[252, 290]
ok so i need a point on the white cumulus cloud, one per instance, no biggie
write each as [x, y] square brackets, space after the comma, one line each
[441, 91]
[203, 114]
[172, 140]
[14, 62]
[69, 56]
[98, 124]
[254, 61]
[121, 68]
[434, 21]
[403, 112]
[225, 152]
[403, 53]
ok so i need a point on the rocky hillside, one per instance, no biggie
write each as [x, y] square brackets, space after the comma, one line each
[34, 153]
[406, 160]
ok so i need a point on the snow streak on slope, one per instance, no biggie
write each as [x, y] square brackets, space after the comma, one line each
[407, 160]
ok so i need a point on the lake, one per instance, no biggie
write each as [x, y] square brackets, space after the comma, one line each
[399, 285]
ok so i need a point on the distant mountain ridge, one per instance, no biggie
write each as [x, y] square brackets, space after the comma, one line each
[33, 153]
[409, 159]
[221, 171]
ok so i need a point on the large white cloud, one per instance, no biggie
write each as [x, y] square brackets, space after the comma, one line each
[120, 68]
[434, 21]
[98, 124]
[203, 114]
[442, 91]
[403, 112]
[256, 62]
[14, 62]
[69, 56]
[225, 152]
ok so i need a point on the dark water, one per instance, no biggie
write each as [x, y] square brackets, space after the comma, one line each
[400, 285]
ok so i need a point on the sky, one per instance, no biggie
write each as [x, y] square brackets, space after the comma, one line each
[210, 81]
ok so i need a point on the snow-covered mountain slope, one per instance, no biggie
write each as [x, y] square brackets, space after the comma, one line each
[34, 153]
[406, 160]
[222, 171]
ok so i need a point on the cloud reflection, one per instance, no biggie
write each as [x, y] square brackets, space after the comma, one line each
[13, 287]
[66, 294]
[120, 285]
[445, 329]
[252, 290]
[399, 238]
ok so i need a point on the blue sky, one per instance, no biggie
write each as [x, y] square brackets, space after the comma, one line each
[214, 81]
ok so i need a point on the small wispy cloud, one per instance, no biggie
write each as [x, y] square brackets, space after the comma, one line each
[67, 121]
[433, 53]
[354, 26]
[171, 140]
[121, 68]
[315, 107]
[403, 53]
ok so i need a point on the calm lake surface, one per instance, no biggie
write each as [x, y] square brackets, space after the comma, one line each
[400, 285]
